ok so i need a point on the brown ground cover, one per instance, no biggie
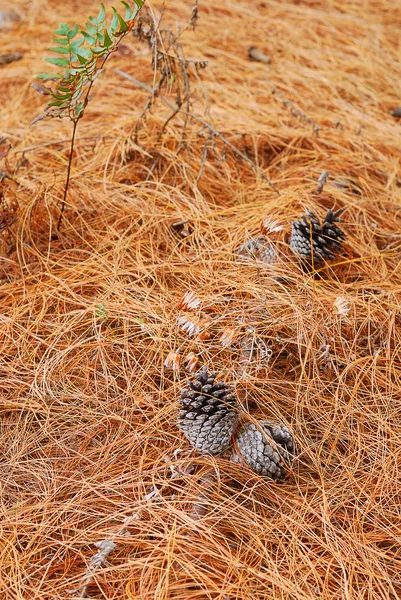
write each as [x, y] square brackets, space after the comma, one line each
[89, 447]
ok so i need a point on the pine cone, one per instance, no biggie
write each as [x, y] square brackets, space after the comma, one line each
[258, 249]
[208, 413]
[326, 239]
[262, 457]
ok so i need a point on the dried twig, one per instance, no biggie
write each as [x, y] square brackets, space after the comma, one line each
[296, 111]
[198, 119]
[107, 546]
[323, 178]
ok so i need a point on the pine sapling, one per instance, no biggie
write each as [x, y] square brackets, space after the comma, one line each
[82, 59]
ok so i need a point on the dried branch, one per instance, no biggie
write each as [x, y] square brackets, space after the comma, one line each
[323, 179]
[107, 546]
[296, 111]
[205, 124]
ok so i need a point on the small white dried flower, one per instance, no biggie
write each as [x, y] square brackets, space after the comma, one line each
[227, 337]
[173, 361]
[270, 226]
[191, 361]
[341, 306]
[188, 326]
[190, 301]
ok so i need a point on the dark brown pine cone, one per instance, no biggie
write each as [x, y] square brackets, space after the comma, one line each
[326, 239]
[265, 458]
[208, 413]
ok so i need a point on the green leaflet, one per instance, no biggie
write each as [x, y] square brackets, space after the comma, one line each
[73, 32]
[48, 76]
[60, 50]
[62, 41]
[60, 62]
[63, 29]
[128, 11]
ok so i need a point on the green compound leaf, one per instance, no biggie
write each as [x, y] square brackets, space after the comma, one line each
[77, 43]
[101, 16]
[99, 49]
[79, 109]
[90, 29]
[107, 40]
[89, 38]
[83, 53]
[58, 103]
[83, 57]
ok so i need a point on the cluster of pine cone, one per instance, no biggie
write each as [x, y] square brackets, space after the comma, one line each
[311, 240]
[209, 419]
[208, 409]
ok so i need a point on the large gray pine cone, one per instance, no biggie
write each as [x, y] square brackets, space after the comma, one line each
[262, 456]
[326, 239]
[208, 413]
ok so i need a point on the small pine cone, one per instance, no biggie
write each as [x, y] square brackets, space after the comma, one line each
[262, 457]
[208, 413]
[258, 249]
[326, 239]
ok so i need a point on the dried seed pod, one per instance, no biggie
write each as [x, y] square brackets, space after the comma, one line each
[266, 452]
[258, 249]
[312, 240]
[208, 413]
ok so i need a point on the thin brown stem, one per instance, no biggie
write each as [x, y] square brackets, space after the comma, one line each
[68, 174]
[75, 121]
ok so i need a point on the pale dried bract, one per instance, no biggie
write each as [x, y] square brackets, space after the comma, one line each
[191, 361]
[341, 306]
[227, 337]
[173, 361]
[269, 225]
[187, 325]
[190, 301]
